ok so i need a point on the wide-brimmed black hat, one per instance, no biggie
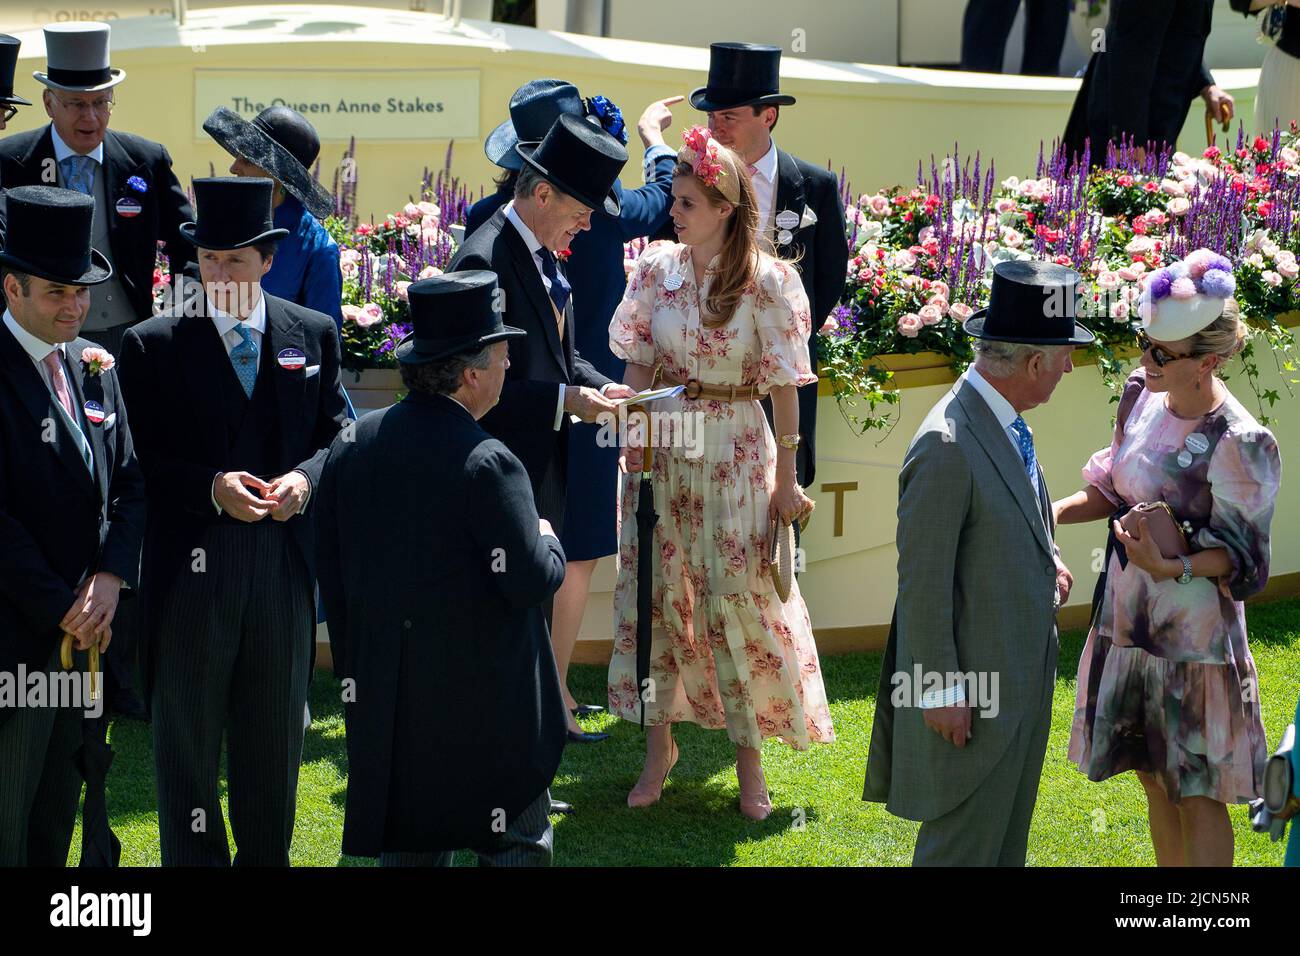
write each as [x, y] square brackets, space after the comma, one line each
[741, 74]
[48, 236]
[8, 60]
[233, 211]
[581, 159]
[281, 141]
[1031, 302]
[534, 108]
[453, 313]
[76, 58]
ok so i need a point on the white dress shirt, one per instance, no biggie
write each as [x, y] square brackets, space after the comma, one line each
[535, 247]
[764, 180]
[37, 350]
[256, 324]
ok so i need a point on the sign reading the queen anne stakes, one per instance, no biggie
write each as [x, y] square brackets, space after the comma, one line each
[372, 105]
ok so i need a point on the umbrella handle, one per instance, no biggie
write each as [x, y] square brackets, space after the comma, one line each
[647, 451]
[92, 659]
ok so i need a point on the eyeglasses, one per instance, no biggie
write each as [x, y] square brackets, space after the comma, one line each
[103, 106]
[1161, 356]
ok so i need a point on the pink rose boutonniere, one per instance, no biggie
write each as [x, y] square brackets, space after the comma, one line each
[97, 360]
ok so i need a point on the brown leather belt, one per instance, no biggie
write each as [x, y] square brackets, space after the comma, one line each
[695, 389]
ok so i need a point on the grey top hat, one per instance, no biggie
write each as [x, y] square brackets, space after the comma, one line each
[76, 58]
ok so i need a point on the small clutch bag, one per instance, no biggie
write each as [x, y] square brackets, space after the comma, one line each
[1162, 526]
[780, 550]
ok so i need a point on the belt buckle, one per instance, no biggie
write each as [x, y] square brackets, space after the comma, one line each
[693, 388]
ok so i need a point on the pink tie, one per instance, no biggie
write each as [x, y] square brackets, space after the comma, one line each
[60, 382]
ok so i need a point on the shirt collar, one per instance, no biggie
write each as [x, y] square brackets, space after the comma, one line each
[225, 322]
[766, 165]
[534, 244]
[62, 150]
[37, 348]
[1002, 409]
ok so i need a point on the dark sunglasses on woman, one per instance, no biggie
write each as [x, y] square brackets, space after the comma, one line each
[1160, 355]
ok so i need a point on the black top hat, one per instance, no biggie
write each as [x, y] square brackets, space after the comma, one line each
[76, 58]
[451, 314]
[741, 74]
[233, 211]
[581, 159]
[8, 60]
[49, 236]
[281, 141]
[1031, 302]
[534, 108]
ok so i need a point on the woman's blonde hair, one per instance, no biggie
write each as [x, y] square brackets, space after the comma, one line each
[1225, 336]
[738, 260]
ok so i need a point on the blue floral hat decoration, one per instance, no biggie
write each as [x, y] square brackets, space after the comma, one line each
[610, 117]
[1185, 297]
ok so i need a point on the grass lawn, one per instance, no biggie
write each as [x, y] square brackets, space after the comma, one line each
[819, 819]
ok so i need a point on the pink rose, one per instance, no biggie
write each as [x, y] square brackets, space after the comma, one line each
[1119, 310]
[960, 311]
[349, 269]
[1288, 268]
[1108, 281]
[910, 325]
[428, 272]
[1178, 206]
[879, 205]
[1288, 155]
[98, 359]
[912, 282]
[1013, 238]
[371, 314]
[1271, 277]
[401, 285]
[351, 313]
[939, 288]
[1004, 206]
[902, 259]
[349, 255]
[1140, 246]
[428, 208]
[411, 211]
[930, 315]
[1131, 273]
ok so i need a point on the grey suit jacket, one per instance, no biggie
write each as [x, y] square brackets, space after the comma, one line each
[976, 593]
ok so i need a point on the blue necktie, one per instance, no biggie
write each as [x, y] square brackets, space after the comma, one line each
[244, 357]
[78, 173]
[560, 288]
[1026, 442]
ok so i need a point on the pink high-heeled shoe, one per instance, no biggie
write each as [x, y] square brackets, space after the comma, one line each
[643, 796]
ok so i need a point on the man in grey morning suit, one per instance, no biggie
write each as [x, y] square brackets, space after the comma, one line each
[965, 700]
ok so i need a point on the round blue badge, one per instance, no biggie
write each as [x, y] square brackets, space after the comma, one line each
[291, 359]
[128, 207]
[94, 412]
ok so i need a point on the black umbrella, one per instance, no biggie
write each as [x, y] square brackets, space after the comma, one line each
[646, 519]
[100, 846]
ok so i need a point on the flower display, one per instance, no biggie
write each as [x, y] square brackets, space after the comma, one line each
[1129, 226]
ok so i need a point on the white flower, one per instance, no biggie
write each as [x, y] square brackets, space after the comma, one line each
[1271, 277]
[1178, 206]
[1108, 281]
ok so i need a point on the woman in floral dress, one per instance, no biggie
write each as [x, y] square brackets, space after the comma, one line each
[726, 651]
[1167, 684]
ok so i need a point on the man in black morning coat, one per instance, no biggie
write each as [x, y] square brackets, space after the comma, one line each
[799, 206]
[235, 398]
[72, 508]
[571, 173]
[435, 612]
[138, 203]
[1141, 81]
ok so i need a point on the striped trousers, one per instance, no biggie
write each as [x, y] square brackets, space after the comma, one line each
[231, 654]
[40, 785]
[528, 841]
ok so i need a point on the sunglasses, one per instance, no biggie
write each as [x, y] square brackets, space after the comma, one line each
[1161, 356]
